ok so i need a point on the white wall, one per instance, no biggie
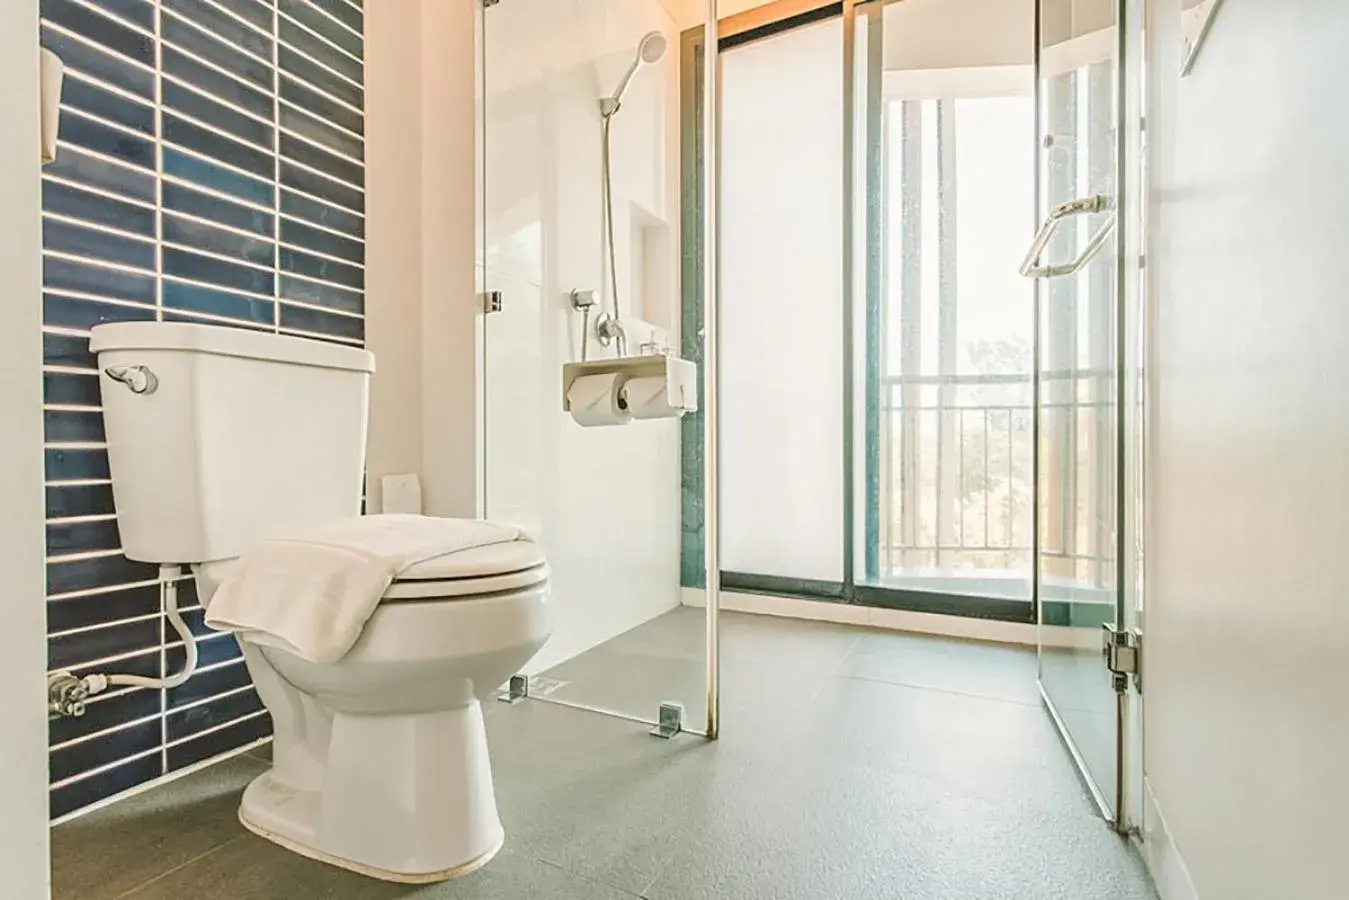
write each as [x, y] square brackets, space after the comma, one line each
[421, 303]
[23, 664]
[603, 501]
[1246, 729]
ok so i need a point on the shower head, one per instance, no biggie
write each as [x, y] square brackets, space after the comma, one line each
[650, 50]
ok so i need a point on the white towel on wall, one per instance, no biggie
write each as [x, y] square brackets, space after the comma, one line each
[312, 592]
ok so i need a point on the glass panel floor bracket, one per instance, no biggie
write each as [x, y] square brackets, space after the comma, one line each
[670, 721]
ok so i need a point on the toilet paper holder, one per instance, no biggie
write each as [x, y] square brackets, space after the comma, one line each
[681, 377]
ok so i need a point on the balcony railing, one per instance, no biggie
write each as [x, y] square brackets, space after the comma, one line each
[956, 480]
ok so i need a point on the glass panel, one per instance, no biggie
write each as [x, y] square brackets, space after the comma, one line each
[944, 413]
[781, 305]
[604, 502]
[1078, 411]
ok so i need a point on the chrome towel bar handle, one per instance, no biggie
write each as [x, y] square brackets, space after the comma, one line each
[1031, 267]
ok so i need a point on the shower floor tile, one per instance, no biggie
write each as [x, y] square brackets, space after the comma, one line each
[852, 763]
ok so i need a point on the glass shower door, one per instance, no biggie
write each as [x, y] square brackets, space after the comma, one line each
[1082, 297]
[603, 502]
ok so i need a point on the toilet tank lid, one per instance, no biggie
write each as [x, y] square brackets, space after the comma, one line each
[225, 341]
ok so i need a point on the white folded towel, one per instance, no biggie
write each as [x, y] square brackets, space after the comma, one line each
[312, 592]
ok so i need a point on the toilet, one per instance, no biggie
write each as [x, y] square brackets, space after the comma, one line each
[219, 438]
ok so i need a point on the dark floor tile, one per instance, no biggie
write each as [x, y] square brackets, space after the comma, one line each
[815, 829]
[251, 868]
[604, 799]
[111, 851]
[981, 747]
[997, 671]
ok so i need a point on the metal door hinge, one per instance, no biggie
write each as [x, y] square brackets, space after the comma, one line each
[1123, 650]
[491, 301]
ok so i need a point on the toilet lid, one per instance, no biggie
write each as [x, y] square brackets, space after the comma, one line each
[480, 570]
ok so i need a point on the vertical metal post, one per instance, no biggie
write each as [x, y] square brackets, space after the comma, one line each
[849, 175]
[711, 510]
[1124, 124]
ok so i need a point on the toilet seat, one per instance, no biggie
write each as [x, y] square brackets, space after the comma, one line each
[474, 572]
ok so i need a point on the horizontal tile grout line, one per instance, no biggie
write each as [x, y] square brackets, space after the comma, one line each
[256, 29]
[70, 294]
[318, 89]
[327, 229]
[227, 166]
[74, 371]
[108, 664]
[201, 701]
[101, 157]
[103, 626]
[95, 81]
[327, 123]
[214, 98]
[97, 191]
[99, 770]
[127, 130]
[222, 257]
[70, 407]
[344, 313]
[213, 66]
[214, 193]
[125, 23]
[221, 133]
[214, 728]
[80, 520]
[82, 556]
[105, 732]
[281, 14]
[319, 254]
[326, 202]
[336, 21]
[95, 45]
[320, 63]
[101, 589]
[182, 19]
[195, 219]
[100, 263]
[317, 146]
[358, 188]
[99, 227]
[309, 279]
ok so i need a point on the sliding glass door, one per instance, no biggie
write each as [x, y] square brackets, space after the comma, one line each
[944, 346]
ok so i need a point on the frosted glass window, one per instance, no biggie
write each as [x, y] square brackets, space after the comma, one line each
[781, 268]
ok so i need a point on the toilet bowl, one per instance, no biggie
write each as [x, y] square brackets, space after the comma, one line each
[221, 438]
[380, 760]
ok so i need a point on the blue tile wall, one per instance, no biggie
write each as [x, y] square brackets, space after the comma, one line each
[211, 168]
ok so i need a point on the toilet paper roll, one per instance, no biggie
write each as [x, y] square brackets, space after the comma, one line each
[648, 398]
[599, 400]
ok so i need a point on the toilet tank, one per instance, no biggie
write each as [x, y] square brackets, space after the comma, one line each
[221, 437]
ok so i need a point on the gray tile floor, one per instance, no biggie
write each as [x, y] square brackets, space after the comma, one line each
[853, 764]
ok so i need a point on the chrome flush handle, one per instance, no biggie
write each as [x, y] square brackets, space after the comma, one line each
[138, 378]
